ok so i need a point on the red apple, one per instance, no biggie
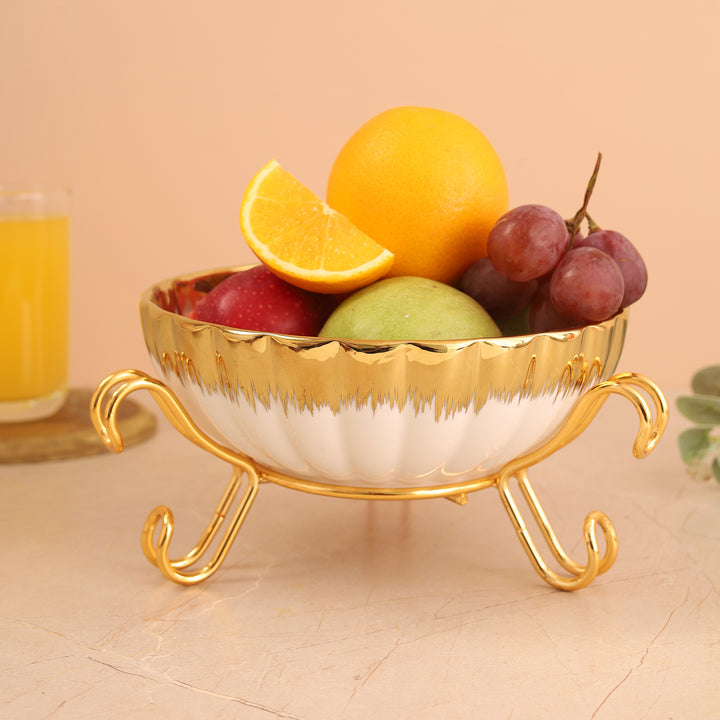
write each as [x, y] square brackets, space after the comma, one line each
[255, 299]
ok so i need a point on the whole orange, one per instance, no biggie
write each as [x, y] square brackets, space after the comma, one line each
[424, 183]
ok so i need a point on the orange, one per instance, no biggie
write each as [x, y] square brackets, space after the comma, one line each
[303, 240]
[424, 183]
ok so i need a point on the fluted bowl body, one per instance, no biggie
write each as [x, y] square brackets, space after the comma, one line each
[372, 414]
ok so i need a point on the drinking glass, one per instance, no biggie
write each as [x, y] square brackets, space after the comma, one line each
[34, 289]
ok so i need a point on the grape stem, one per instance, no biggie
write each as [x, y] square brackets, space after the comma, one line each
[592, 225]
[574, 224]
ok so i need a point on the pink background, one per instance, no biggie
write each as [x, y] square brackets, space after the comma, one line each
[159, 113]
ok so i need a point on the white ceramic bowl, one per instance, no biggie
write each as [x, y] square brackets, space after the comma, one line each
[372, 414]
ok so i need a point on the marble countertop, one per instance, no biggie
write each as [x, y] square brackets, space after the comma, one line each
[335, 608]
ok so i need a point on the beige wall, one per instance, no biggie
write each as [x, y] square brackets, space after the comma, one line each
[158, 113]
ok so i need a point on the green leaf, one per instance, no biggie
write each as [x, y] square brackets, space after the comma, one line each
[716, 468]
[701, 409]
[707, 381]
[694, 443]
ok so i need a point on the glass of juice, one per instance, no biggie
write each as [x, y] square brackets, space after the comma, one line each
[34, 290]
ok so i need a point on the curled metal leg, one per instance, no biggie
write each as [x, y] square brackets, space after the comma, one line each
[103, 411]
[162, 517]
[653, 422]
[580, 575]
[634, 388]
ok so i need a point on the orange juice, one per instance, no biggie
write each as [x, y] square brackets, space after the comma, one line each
[34, 301]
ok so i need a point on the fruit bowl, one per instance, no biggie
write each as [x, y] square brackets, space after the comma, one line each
[395, 420]
[374, 420]
[372, 414]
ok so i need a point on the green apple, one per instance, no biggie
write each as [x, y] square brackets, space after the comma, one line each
[409, 308]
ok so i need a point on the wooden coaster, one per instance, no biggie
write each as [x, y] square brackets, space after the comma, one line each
[70, 433]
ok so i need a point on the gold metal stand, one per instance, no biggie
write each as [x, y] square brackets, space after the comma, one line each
[653, 417]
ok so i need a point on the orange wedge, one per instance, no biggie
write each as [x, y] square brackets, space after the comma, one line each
[303, 240]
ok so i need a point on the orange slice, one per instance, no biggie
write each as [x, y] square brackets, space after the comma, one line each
[303, 240]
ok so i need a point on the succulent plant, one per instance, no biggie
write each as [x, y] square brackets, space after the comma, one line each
[700, 445]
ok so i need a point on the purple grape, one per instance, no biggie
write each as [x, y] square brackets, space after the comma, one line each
[577, 240]
[527, 242]
[626, 255]
[500, 297]
[587, 285]
[544, 316]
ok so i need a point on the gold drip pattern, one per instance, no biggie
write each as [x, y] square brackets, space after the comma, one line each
[308, 373]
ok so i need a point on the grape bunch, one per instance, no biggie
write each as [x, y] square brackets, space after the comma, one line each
[542, 265]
